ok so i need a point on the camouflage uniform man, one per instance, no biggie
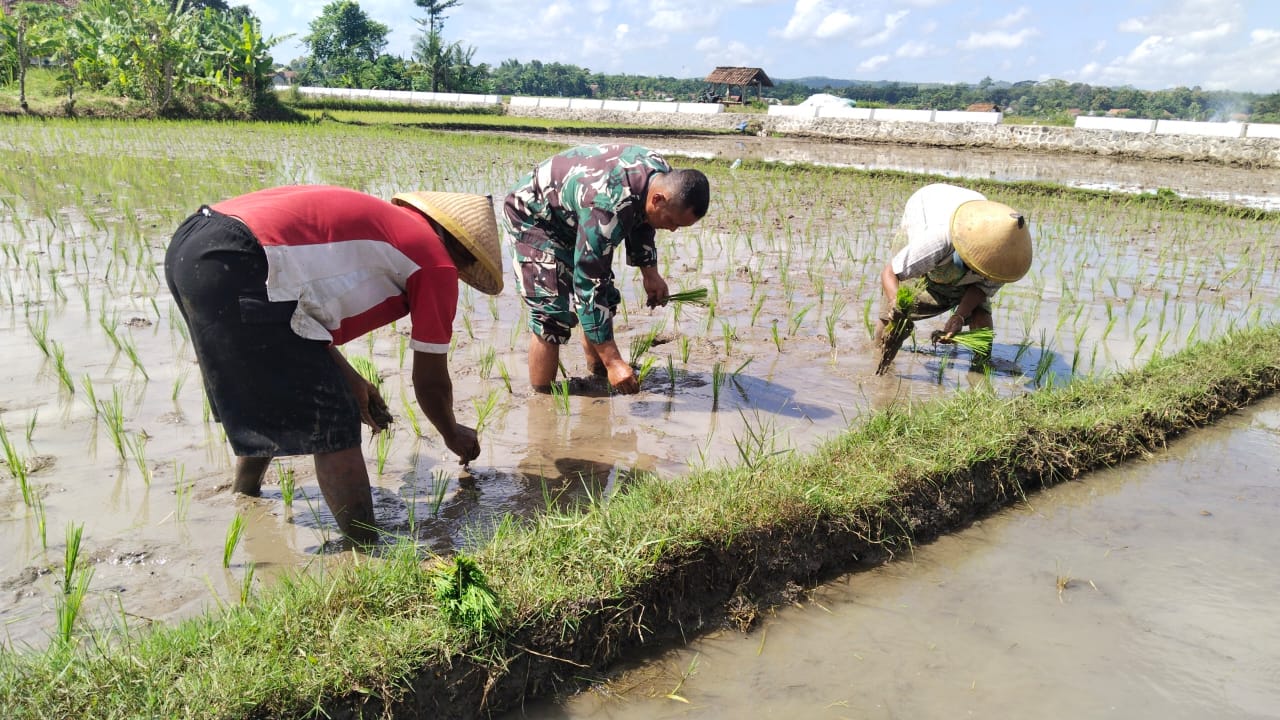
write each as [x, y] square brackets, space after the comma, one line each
[566, 217]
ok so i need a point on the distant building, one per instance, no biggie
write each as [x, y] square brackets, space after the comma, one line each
[282, 78]
[741, 78]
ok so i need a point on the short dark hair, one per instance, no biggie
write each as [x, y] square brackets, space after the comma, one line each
[689, 189]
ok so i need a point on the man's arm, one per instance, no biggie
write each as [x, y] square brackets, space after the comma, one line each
[434, 390]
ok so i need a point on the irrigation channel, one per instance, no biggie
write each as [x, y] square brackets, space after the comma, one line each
[107, 430]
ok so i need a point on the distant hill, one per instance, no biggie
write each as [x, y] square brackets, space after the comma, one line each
[818, 82]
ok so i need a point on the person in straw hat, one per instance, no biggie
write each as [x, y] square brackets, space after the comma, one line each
[272, 282]
[566, 217]
[965, 247]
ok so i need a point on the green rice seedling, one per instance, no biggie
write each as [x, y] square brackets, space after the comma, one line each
[833, 319]
[181, 491]
[755, 310]
[37, 508]
[17, 466]
[178, 382]
[69, 603]
[485, 408]
[463, 594]
[977, 341]
[697, 296]
[234, 532]
[671, 372]
[506, 376]
[684, 349]
[560, 394]
[381, 449]
[487, 359]
[71, 556]
[439, 486]
[112, 411]
[728, 334]
[366, 369]
[31, 424]
[412, 414]
[40, 333]
[775, 335]
[91, 397]
[131, 351]
[717, 380]
[246, 583]
[60, 367]
[137, 442]
[645, 368]
[798, 318]
[288, 483]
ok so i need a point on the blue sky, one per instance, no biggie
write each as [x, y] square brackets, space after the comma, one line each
[1149, 44]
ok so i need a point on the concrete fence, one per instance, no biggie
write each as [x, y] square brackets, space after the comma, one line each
[405, 96]
[1179, 127]
[884, 114]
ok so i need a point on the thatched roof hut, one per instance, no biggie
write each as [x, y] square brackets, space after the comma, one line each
[739, 77]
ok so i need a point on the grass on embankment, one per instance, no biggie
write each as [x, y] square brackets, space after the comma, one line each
[659, 559]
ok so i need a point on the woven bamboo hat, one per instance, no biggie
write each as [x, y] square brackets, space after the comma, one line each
[993, 240]
[469, 219]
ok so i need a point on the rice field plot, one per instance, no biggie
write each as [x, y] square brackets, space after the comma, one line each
[105, 427]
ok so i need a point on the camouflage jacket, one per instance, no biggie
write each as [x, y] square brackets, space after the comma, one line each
[580, 205]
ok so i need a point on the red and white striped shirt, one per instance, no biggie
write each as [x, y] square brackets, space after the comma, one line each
[353, 262]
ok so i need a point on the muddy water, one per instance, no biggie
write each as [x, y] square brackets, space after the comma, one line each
[1147, 591]
[1251, 188]
[784, 357]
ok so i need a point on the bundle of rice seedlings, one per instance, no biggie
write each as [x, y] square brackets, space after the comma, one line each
[695, 297]
[464, 596]
[976, 341]
[899, 327]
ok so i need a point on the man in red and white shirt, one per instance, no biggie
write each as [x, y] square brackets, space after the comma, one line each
[271, 282]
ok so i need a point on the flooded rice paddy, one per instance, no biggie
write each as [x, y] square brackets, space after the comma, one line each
[106, 428]
[1145, 591]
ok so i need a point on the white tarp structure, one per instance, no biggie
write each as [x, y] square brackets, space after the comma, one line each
[823, 100]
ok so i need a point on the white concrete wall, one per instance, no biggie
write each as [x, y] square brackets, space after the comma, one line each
[618, 105]
[1138, 125]
[793, 111]
[847, 113]
[1205, 129]
[964, 116]
[585, 104]
[405, 96]
[896, 115]
[1262, 130]
[658, 107]
[699, 108]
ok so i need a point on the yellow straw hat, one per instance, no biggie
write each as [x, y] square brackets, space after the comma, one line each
[993, 240]
[469, 219]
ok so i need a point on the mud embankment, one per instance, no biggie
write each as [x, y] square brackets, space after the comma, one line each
[712, 585]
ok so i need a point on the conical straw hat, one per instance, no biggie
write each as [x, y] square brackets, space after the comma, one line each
[468, 218]
[993, 240]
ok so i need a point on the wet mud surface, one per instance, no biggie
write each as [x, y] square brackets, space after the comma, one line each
[785, 355]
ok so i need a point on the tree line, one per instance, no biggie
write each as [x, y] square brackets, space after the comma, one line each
[175, 54]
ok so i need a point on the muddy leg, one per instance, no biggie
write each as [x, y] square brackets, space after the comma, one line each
[344, 481]
[249, 472]
[544, 360]
[594, 364]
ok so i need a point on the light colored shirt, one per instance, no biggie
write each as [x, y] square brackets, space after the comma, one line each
[353, 262]
[926, 223]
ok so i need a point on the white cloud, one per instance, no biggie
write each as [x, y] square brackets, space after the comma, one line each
[891, 22]
[817, 19]
[913, 49]
[674, 17]
[1193, 42]
[1013, 18]
[999, 39]
[872, 63]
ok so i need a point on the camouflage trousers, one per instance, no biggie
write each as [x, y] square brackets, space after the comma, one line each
[544, 280]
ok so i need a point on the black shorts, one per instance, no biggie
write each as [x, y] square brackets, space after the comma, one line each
[274, 392]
